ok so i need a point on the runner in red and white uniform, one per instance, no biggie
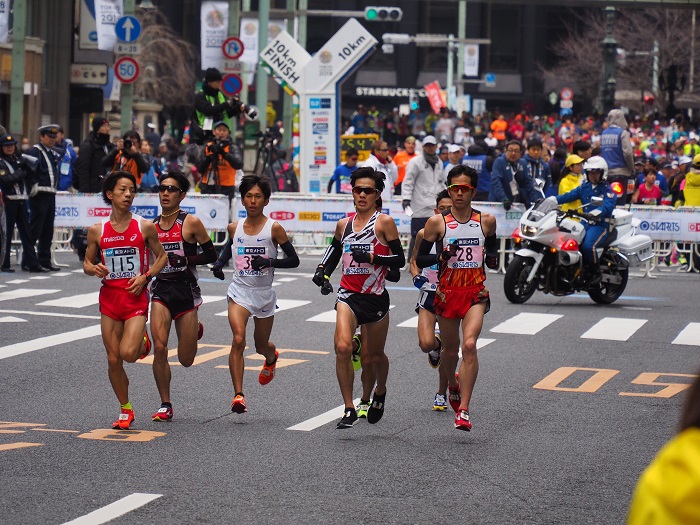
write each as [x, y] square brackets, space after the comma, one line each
[250, 293]
[461, 236]
[175, 293]
[368, 244]
[426, 281]
[123, 242]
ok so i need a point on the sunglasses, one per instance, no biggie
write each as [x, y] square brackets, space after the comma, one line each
[169, 188]
[464, 188]
[359, 190]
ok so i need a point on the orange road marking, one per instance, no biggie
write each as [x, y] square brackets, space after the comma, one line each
[19, 444]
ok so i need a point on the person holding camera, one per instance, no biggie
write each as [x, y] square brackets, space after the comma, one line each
[89, 172]
[13, 173]
[127, 157]
[219, 163]
[212, 107]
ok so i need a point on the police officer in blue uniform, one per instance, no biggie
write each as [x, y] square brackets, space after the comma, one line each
[42, 195]
[616, 150]
[477, 158]
[596, 170]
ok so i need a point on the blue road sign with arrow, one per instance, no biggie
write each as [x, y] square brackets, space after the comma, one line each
[128, 29]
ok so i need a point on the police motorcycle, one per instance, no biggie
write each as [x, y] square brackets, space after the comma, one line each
[548, 259]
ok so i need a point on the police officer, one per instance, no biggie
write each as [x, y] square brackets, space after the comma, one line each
[42, 196]
[211, 106]
[482, 163]
[617, 151]
[219, 163]
[596, 170]
[13, 174]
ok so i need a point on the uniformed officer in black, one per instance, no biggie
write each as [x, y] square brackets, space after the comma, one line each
[13, 174]
[42, 194]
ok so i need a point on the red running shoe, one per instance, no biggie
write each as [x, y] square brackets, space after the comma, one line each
[462, 421]
[200, 331]
[238, 405]
[147, 344]
[165, 413]
[126, 418]
[455, 398]
[267, 373]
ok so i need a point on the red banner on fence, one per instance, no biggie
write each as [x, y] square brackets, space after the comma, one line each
[434, 94]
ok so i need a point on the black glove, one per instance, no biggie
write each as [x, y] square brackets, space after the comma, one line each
[393, 275]
[506, 204]
[419, 281]
[589, 217]
[218, 271]
[491, 260]
[326, 287]
[405, 203]
[258, 262]
[449, 252]
[177, 261]
[319, 277]
[361, 256]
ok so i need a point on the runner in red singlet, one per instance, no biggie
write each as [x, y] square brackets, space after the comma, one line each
[368, 244]
[175, 293]
[122, 241]
[461, 236]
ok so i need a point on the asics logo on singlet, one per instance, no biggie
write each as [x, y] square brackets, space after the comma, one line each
[133, 237]
[114, 239]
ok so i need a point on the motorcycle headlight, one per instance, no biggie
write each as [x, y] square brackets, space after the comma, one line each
[527, 230]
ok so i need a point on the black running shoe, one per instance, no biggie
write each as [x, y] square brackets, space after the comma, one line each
[348, 420]
[376, 409]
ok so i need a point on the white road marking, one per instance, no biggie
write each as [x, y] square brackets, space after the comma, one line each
[294, 274]
[213, 298]
[481, 343]
[50, 314]
[286, 279]
[322, 419]
[525, 323]
[78, 271]
[409, 323]
[74, 301]
[40, 278]
[324, 317]
[288, 304]
[49, 341]
[114, 510]
[690, 335]
[638, 308]
[18, 281]
[614, 329]
[23, 293]
[10, 319]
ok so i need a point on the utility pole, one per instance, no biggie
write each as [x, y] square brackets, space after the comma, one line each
[609, 49]
[303, 7]
[261, 76]
[450, 65]
[19, 32]
[288, 100]
[461, 34]
[234, 24]
[127, 90]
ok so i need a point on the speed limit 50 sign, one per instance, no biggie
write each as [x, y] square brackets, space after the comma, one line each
[127, 70]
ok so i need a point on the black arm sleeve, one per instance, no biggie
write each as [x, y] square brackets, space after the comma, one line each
[292, 260]
[226, 253]
[108, 161]
[234, 160]
[332, 257]
[491, 244]
[330, 186]
[424, 257]
[395, 260]
[207, 256]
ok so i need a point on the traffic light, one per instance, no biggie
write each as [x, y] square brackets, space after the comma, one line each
[383, 14]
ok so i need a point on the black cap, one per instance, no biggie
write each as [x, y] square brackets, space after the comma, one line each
[212, 74]
[97, 123]
[50, 129]
[7, 139]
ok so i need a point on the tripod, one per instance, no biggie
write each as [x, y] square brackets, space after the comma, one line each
[266, 155]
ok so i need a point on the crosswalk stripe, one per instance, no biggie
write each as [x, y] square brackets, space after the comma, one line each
[614, 329]
[288, 304]
[49, 341]
[323, 317]
[11, 319]
[23, 293]
[114, 510]
[40, 278]
[409, 323]
[213, 298]
[322, 419]
[525, 323]
[74, 301]
[18, 281]
[286, 279]
[690, 335]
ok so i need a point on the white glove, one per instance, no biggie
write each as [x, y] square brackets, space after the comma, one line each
[34, 190]
[595, 213]
[552, 201]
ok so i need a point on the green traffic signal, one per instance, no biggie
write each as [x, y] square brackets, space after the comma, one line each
[371, 14]
[383, 14]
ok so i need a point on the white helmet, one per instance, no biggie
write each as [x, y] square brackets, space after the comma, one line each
[597, 163]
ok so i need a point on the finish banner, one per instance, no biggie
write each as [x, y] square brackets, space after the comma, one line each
[77, 210]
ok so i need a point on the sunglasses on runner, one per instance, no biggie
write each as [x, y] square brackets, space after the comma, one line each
[460, 187]
[169, 188]
[359, 190]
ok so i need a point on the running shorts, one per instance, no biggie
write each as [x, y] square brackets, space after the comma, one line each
[179, 297]
[367, 307]
[454, 303]
[120, 305]
[260, 303]
[425, 301]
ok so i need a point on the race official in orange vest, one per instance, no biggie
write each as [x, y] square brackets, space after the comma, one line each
[219, 163]
[127, 157]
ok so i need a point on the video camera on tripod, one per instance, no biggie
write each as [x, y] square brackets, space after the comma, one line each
[218, 147]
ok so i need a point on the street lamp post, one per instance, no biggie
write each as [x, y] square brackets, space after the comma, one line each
[609, 49]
